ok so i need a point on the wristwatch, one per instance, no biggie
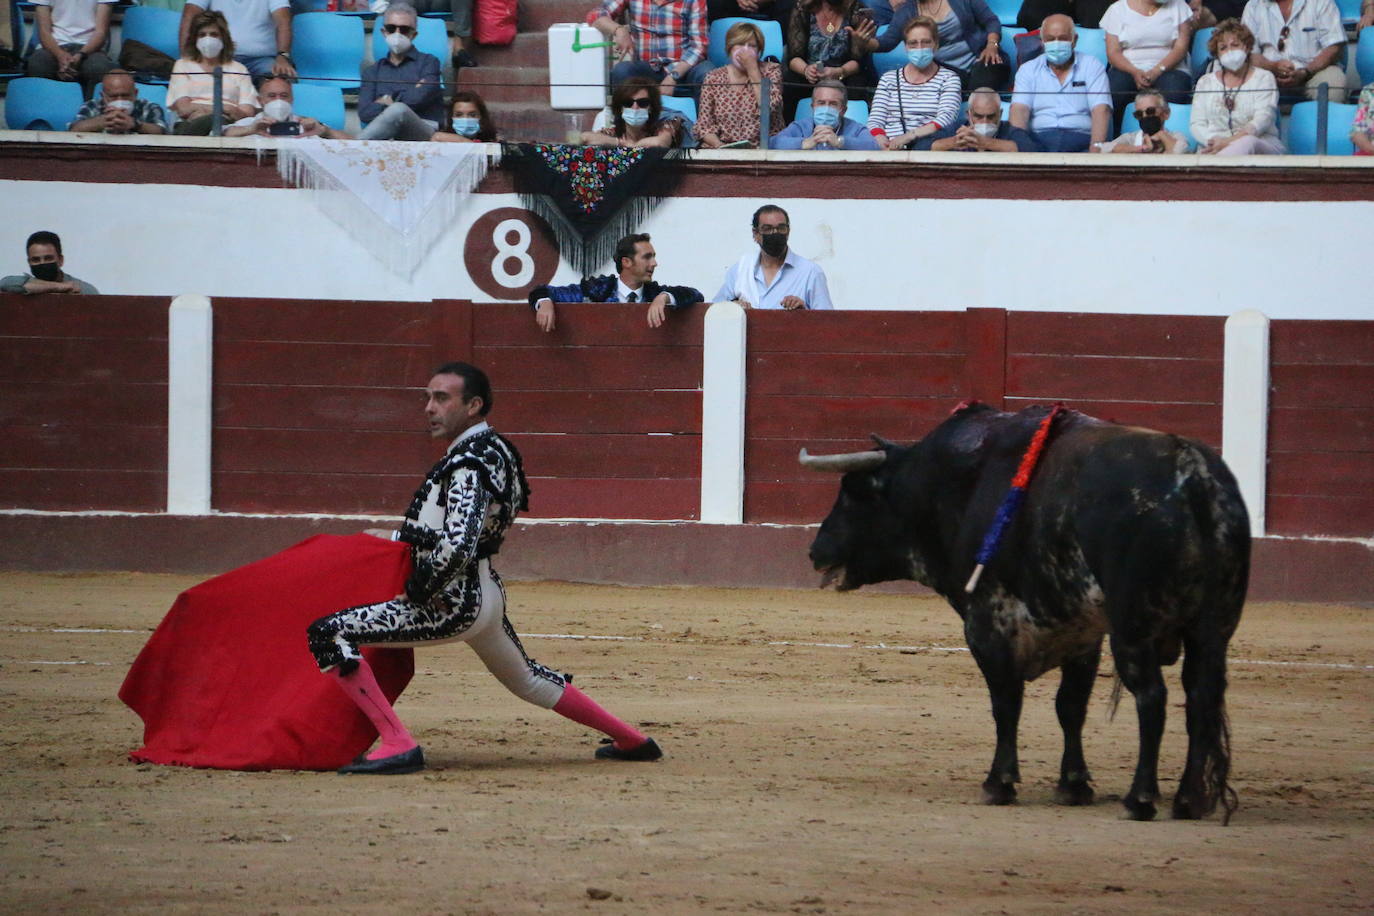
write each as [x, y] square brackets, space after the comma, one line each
[285, 54]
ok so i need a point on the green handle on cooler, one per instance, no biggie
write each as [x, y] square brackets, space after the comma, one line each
[577, 44]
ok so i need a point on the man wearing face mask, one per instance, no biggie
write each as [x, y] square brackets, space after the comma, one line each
[45, 270]
[774, 277]
[277, 119]
[1062, 97]
[827, 128]
[401, 98]
[984, 132]
[1151, 111]
[119, 110]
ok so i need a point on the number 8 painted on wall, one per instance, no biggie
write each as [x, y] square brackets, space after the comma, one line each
[506, 251]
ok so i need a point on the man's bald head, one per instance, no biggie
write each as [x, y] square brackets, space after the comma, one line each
[1057, 28]
[119, 85]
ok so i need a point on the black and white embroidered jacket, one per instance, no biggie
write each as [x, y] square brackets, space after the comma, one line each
[461, 512]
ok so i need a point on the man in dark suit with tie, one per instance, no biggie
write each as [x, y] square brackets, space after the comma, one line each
[636, 261]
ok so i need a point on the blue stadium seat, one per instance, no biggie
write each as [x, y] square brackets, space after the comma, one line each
[772, 39]
[884, 61]
[38, 104]
[856, 110]
[1198, 55]
[431, 39]
[1302, 129]
[328, 49]
[1008, 47]
[1092, 42]
[1364, 55]
[1005, 10]
[1350, 11]
[154, 27]
[1179, 116]
[682, 104]
[323, 103]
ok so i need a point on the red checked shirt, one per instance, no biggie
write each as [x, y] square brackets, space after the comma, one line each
[664, 33]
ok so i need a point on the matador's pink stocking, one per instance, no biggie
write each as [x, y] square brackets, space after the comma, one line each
[582, 709]
[361, 687]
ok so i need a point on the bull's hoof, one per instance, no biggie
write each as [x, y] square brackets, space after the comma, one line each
[1188, 808]
[1073, 794]
[1139, 809]
[999, 793]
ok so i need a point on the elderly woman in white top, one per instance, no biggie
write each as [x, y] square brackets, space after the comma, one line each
[1147, 47]
[1236, 106]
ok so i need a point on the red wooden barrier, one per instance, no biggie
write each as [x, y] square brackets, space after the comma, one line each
[1321, 428]
[83, 402]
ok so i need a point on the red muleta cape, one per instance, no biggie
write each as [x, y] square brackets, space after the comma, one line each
[227, 681]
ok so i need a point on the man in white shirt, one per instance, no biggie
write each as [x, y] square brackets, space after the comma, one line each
[635, 261]
[261, 30]
[72, 38]
[277, 119]
[1300, 42]
[1151, 111]
[775, 277]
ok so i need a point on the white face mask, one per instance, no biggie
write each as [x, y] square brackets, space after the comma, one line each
[983, 129]
[119, 105]
[209, 46]
[277, 110]
[1233, 59]
[398, 43]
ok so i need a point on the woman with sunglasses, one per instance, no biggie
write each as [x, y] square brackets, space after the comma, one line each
[636, 118]
[401, 97]
[1235, 106]
[468, 120]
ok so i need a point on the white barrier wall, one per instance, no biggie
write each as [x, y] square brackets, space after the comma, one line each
[1150, 257]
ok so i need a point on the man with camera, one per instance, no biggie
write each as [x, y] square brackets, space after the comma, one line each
[277, 119]
[119, 110]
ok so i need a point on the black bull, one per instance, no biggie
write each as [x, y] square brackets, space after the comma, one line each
[1125, 531]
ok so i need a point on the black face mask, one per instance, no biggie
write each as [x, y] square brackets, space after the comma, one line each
[1151, 124]
[48, 271]
[773, 245]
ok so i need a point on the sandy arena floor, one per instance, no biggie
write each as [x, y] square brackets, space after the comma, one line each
[799, 777]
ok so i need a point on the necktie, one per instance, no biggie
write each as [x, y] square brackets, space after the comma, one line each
[633, 297]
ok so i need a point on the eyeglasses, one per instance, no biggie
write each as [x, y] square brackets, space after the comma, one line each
[392, 28]
[773, 230]
[1147, 113]
[640, 103]
[1283, 37]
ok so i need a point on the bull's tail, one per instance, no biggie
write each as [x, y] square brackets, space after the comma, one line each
[1224, 528]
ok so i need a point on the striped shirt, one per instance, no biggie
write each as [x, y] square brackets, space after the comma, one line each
[664, 33]
[900, 107]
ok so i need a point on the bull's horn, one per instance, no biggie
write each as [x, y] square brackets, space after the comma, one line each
[854, 461]
[881, 442]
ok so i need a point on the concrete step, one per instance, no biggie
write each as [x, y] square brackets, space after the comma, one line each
[530, 49]
[520, 122]
[508, 84]
[538, 16]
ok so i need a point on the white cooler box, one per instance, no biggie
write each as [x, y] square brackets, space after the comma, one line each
[577, 78]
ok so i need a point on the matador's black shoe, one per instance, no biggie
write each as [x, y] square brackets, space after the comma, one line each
[647, 751]
[412, 761]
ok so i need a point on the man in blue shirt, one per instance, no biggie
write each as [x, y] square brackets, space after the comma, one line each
[774, 277]
[985, 131]
[827, 128]
[1061, 96]
[401, 97]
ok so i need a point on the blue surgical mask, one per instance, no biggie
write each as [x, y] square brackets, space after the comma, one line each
[1059, 53]
[635, 117]
[920, 58]
[825, 116]
[467, 127]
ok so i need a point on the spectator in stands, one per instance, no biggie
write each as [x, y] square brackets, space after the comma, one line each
[459, 25]
[1300, 43]
[918, 98]
[1147, 47]
[277, 119]
[119, 110]
[635, 262]
[728, 110]
[1062, 97]
[190, 91]
[827, 128]
[984, 132]
[662, 41]
[45, 274]
[1366, 16]
[779, 11]
[72, 37]
[1151, 111]
[468, 120]
[1362, 130]
[1034, 12]
[401, 97]
[970, 39]
[827, 40]
[774, 277]
[636, 118]
[261, 30]
[1235, 108]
